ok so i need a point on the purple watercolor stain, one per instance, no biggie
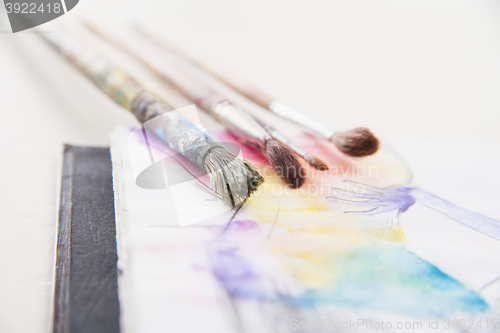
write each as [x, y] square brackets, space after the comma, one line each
[235, 273]
[243, 226]
[372, 201]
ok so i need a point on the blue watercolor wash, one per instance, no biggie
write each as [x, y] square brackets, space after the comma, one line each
[393, 279]
[384, 277]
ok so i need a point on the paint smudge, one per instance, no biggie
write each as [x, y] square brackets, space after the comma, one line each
[380, 276]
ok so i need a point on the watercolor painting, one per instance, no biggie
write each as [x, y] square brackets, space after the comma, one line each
[335, 246]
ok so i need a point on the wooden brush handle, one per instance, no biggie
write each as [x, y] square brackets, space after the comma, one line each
[239, 83]
[234, 118]
[115, 83]
[194, 90]
[233, 79]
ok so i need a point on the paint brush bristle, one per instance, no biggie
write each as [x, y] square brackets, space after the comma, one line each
[315, 162]
[231, 178]
[286, 163]
[254, 178]
[357, 142]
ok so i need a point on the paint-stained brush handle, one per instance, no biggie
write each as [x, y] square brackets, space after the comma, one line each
[233, 118]
[236, 120]
[231, 178]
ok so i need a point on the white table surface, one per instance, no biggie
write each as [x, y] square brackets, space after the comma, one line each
[409, 70]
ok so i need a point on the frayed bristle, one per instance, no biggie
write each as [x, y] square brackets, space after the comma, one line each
[286, 162]
[315, 162]
[358, 142]
[232, 179]
[254, 178]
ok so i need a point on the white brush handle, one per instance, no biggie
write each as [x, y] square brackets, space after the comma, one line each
[288, 112]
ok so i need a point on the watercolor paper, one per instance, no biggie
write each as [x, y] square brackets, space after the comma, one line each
[362, 243]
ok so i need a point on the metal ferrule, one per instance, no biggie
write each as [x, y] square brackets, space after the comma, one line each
[240, 124]
[286, 111]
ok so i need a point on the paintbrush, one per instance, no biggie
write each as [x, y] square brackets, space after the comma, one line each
[357, 142]
[313, 161]
[231, 178]
[235, 119]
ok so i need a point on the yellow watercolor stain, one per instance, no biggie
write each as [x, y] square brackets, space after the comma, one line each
[312, 273]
